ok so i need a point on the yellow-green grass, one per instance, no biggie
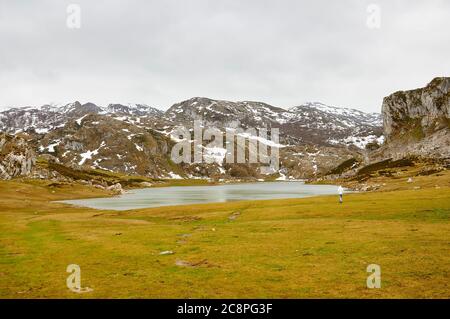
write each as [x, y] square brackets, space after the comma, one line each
[290, 248]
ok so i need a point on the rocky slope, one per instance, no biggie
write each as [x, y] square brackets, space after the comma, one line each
[308, 123]
[101, 142]
[417, 122]
[17, 156]
[48, 117]
[314, 137]
[314, 123]
[323, 124]
[136, 139]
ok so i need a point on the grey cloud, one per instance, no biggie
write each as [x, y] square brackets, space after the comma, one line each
[160, 52]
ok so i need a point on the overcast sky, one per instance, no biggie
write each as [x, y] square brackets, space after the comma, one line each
[162, 52]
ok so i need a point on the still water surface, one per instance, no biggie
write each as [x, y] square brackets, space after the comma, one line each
[186, 195]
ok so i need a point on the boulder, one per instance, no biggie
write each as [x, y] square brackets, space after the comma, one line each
[116, 188]
[145, 184]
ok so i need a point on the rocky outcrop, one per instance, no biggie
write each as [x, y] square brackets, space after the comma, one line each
[103, 142]
[16, 157]
[77, 109]
[116, 188]
[426, 108]
[417, 122]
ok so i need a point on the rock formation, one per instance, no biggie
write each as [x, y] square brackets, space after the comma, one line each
[16, 157]
[417, 122]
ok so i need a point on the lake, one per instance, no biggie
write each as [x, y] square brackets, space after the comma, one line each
[186, 195]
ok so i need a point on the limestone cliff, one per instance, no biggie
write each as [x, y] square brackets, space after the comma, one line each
[417, 122]
[16, 157]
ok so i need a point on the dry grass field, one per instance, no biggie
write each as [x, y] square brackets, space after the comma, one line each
[291, 248]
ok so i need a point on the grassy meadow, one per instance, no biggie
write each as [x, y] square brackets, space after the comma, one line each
[290, 248]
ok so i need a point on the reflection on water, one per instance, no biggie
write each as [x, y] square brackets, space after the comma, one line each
[185, 195]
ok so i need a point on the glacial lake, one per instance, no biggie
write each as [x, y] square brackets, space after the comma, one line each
[186, 195]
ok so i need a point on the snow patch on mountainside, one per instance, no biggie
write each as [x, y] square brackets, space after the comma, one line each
[214, 155]
[359, 141]
[88, 155]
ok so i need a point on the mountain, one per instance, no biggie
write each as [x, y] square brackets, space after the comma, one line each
[313, 123]
[135, 139]
[323, 124]
[315, 139]
[134, 110]
[100, 142]
[42, 120]
[417, 122]
[227, 114]
[49, 117]
[78, 109]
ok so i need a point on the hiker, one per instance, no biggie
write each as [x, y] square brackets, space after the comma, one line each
[341, 193]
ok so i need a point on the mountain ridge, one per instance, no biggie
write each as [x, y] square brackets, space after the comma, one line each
[135, 139]
[331, 124]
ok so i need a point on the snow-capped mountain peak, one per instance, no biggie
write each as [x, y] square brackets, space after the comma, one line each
[50, 116]
[312, 122]
[133, 109]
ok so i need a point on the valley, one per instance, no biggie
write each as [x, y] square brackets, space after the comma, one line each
[397, 216]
